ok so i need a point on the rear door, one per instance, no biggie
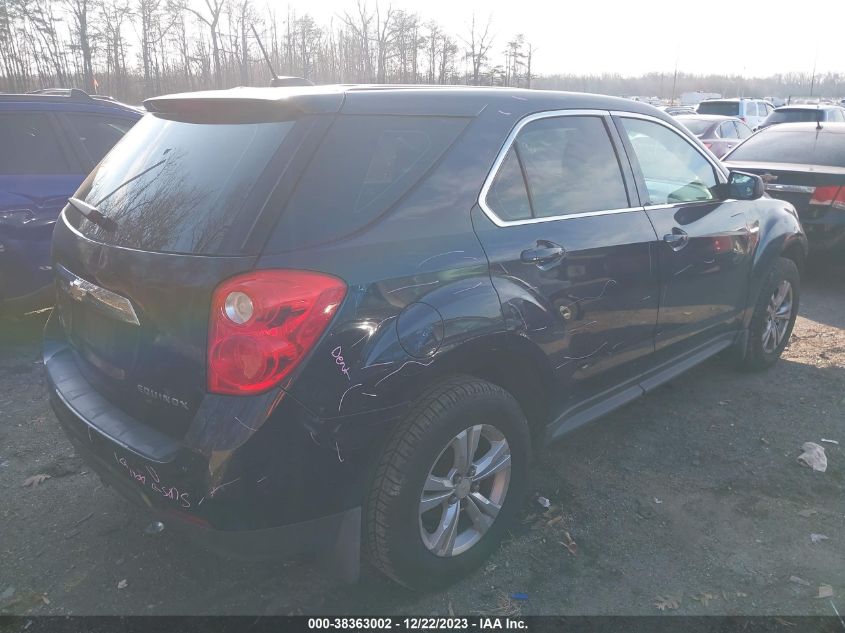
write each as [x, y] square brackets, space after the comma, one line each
[570, 250]
[704, 252]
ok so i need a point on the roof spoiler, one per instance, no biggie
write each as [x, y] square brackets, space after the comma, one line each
[247, 105]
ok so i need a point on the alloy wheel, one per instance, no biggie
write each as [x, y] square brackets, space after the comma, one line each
[464, 490]
[778, 315]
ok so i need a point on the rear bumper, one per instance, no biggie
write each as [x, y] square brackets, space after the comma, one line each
[335, 537]
[245, 515]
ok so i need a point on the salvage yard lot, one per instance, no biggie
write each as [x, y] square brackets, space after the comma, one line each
[690, 499]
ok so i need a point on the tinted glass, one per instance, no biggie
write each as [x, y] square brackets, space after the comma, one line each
[696, 126]
[794, 116]
[29, 145]
[178, 187]
[751, 109]
[673, 170]
[507, 196]
[808, 147]
[838, 116]
[723, 108]
[570, 166]
[361, 169]
[98, 134]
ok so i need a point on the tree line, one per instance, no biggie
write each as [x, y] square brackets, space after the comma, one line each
[668, 84]
[132, 49]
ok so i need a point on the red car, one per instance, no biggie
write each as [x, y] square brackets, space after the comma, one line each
[719, 133]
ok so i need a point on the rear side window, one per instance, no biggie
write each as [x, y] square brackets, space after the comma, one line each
[808, 147]
[559, 166]
[177, 187]
[98, 134]
[29, 145]
[364, 165]
[727, 130]
[723, 108]
[743, 130]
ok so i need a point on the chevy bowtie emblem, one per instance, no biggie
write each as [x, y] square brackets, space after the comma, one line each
[76, 291]
[768, 178]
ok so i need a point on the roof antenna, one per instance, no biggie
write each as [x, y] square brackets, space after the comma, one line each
[264, 52]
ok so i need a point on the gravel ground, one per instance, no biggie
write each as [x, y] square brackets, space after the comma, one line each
[690, 499]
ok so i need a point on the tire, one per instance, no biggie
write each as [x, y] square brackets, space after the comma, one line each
[764, 347]
[421, 450]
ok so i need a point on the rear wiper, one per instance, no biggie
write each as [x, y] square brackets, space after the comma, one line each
[90, 212]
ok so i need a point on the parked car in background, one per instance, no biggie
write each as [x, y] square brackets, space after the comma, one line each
[805, 114]
[353, 324]
[752, 112]
[50, 140]
[720, 134]
[804, 164]
[678, 110]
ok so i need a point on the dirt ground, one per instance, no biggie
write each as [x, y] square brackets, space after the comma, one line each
[690, 499]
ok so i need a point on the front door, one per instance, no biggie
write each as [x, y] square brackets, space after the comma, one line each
[571, 251]
[705, 250]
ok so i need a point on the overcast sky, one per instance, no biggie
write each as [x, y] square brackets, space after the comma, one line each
[752, 38]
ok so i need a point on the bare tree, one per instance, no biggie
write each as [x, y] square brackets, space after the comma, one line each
[479, 43]
[215, 7]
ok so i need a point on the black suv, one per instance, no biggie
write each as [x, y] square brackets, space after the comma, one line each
[318, 317]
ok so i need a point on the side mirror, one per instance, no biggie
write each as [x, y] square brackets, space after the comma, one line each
[743, 186]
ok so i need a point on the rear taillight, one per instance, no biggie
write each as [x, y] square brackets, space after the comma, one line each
[834, 196]
[263, 324]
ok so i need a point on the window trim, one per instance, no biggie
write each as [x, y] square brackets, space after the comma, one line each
[509, 143]
[718, 169]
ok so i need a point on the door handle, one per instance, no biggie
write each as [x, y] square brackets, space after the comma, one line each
[677, 239]
[545, 253]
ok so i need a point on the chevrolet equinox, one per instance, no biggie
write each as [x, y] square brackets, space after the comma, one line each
[343, 318]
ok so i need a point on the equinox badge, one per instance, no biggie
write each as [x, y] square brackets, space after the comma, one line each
[163, 397]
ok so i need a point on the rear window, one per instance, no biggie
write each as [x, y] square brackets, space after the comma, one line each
[696, 126]
[805, 147]
[363, 167]
[178, 187]
[795, 116]
[723, 108]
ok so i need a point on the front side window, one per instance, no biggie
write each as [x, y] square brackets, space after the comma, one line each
[673, 170]
[558, 166]
[98, 134]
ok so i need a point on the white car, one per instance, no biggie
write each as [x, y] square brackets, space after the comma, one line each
[750, 111]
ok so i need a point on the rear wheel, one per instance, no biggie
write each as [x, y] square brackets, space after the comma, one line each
[774, 316]
[448, 483]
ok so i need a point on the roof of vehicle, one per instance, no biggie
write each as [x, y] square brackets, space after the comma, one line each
[707, 117]
[733, 99]
[398, 99]
[808, 106]
[60, 98]
[808, 127]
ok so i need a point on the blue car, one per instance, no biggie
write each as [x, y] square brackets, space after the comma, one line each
[50, 140]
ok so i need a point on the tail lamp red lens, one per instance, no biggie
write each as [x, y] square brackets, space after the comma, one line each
[264, 323]
[834, 196]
